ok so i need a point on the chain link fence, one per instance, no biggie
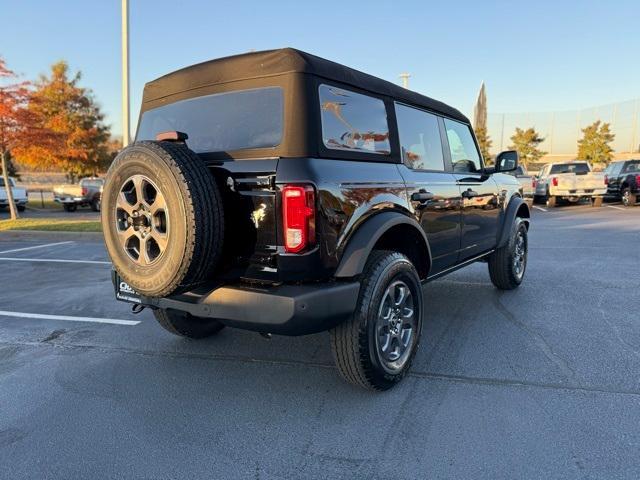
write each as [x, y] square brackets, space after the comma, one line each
[562, 129]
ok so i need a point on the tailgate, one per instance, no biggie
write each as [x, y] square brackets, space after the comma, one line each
[67, 191]
[571, 181]
[251, 214]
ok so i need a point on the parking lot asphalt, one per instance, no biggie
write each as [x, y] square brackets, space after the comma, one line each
[540, 382]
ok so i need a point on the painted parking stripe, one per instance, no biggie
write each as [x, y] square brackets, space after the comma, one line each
[53, 260]
[113, 321]
[539, 208]
[35, 246]
[617, 208]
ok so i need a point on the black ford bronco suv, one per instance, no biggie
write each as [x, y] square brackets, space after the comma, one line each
[283, 193]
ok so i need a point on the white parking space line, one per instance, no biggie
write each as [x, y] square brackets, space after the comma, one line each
[539, 208]
[53, 260]
[35, 246]
[617, 208]
[113, 321]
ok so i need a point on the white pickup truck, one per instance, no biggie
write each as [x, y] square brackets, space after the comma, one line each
[570, 181]
[19, 195]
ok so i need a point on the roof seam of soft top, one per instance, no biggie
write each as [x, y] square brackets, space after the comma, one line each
[210, 84]
[283, 62]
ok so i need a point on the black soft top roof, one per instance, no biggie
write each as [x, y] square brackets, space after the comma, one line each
[278, 62]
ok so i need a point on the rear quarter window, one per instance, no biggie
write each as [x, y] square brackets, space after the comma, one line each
[221, 122]
[352, 121]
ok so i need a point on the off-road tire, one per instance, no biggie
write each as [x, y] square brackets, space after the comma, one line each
[501, 262]
[184, 324]
[95, 204]
[353, 343]
[69, 207]
[21, 208]
[195, 217]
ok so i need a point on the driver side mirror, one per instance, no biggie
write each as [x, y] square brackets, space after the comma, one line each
[507, 161]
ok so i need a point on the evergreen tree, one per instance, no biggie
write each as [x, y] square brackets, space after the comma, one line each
[594, 146]
[526, 143]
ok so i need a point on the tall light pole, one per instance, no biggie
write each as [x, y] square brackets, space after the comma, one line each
[405, 79]
[125, 74]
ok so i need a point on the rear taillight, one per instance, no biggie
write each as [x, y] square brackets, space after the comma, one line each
[638, 180]
[606, 180]
[298, 217]
[84, 191]
[554, 181]
[533, 183]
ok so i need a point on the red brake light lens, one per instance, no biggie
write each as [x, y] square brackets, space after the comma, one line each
[84, 191]
[554, 181]
[298, 217]
[638, 180]
[606, 180]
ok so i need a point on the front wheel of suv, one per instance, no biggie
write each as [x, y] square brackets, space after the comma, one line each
[186, 325]
[375, 347]
[508, 263]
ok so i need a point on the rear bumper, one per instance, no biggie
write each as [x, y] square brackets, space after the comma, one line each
[68, 199]
[282, 309]
[578, 193]
[17, 201]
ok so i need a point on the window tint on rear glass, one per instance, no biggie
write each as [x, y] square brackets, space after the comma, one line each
[464, 154]
[419, 139]
[221, 122]
[577, 168]
[354, 122]
[91, 183]
[632, 167]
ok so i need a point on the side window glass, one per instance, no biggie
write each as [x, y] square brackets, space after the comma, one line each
[464, 154]
[354, 122]
[419, 139]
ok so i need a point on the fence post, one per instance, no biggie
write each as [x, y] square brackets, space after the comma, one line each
[553, 126]
[634, 128]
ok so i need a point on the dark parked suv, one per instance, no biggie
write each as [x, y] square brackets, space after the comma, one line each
[623, 181]
[283, 193]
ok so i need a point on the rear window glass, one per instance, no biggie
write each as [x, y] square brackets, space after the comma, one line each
[352, 121]
[576, 168]
[91, 183]
[13, 184]
[632, 167]
[221, 122]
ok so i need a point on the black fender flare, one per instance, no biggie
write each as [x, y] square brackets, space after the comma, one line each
[363, 241]
[517, 208]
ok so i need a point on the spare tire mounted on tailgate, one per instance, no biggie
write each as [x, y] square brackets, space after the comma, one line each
[162, 218]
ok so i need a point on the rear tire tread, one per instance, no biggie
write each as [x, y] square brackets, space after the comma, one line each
[350, 340]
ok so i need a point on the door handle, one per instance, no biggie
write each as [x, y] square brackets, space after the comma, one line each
[422, 196]
[468, 193]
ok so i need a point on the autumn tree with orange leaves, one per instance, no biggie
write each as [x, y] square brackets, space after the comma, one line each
[15, 124]
[68, 110]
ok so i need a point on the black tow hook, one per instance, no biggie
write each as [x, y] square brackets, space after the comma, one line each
[137, 308]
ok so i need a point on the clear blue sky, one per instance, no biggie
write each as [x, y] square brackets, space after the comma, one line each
[533, 55]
